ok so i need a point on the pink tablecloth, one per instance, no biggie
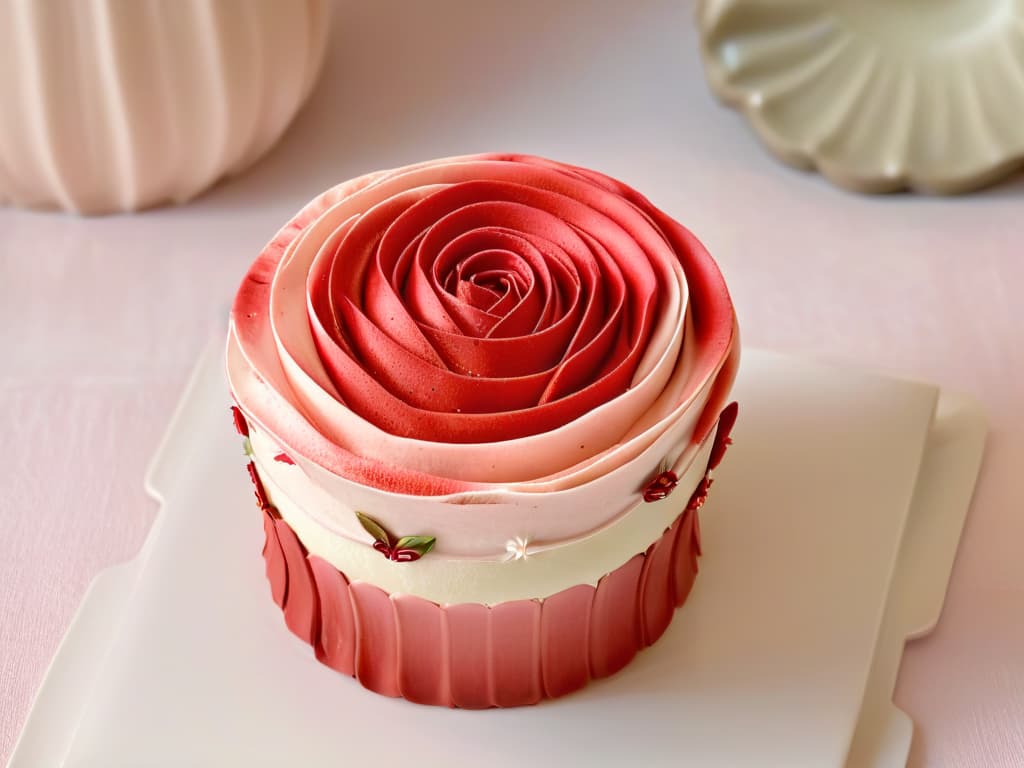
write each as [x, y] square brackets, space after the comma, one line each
[101, 320]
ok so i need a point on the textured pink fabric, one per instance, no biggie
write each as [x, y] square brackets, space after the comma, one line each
[474, 656]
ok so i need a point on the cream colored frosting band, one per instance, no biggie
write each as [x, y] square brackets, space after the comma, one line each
[539, 571]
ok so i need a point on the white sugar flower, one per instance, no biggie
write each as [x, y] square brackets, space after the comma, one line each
[517, 548]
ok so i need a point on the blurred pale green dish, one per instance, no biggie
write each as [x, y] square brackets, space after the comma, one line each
[879, 96]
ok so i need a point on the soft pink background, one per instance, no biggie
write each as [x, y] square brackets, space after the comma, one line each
[102, 319]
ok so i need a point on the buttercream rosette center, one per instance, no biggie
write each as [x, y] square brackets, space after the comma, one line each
[484, 330]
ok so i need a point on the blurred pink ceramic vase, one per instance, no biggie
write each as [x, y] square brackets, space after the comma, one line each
[115, 106]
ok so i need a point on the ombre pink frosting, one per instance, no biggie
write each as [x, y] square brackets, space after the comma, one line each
[477, 345]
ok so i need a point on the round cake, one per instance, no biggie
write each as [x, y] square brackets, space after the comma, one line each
[481, 399]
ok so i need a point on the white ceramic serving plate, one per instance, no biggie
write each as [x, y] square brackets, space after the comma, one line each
[829, 539]
[878, 96]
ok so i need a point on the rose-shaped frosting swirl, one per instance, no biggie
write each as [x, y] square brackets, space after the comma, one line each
[481, 330]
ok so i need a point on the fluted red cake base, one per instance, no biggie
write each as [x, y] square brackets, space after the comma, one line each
[476, 656]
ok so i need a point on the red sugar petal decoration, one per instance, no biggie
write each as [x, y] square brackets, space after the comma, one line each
[661, 486]
[698, 550]
[336, 644]
[564, 632]
[301, 606]
[657, 593]
[613, 642]
[700, 494]
[726, 421]
[240, 424]
[405, 550]
[277, 568]
[261, 495]
[474, 656]
[515, 653]
[284, 458]
[421, 649]
[404, 555]
[687, 551]
[376, 646]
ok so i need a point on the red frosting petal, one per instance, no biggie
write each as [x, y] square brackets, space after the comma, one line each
[392, 380]
[722, 437]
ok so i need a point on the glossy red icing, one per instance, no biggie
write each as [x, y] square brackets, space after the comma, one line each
[700, 493]
[661, 486]
[395, 553]
[723, 439]
[241, 427]
[262, 501]
[698, 549]
[336, 644]
[474, 656]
